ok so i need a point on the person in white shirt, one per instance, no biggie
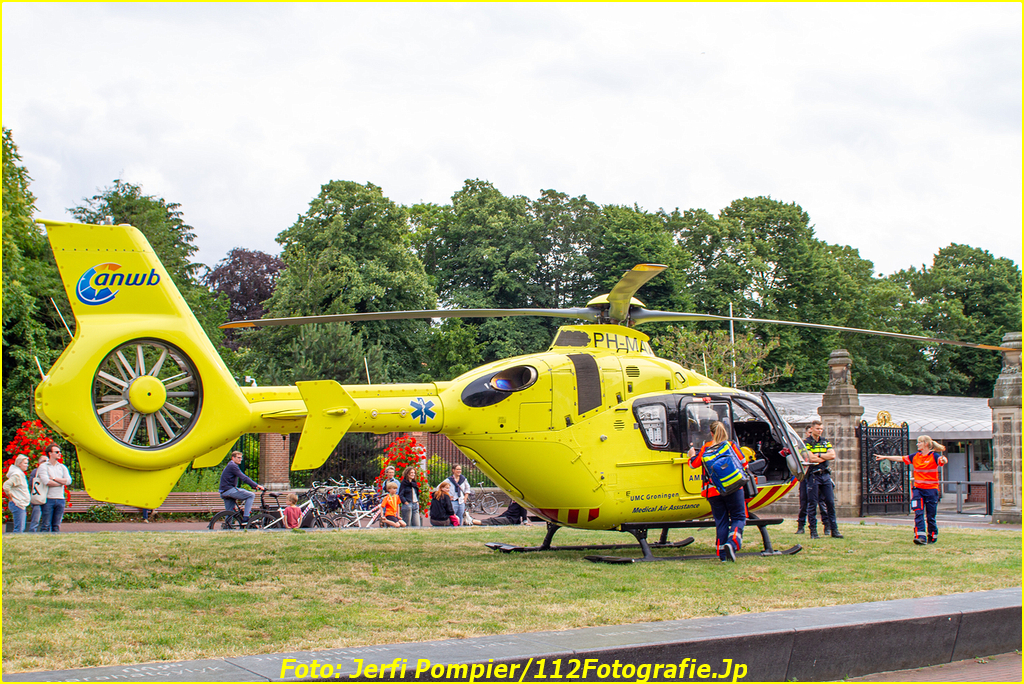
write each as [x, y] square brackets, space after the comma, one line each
[55, 476]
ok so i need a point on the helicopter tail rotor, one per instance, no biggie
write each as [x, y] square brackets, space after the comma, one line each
[140, 390]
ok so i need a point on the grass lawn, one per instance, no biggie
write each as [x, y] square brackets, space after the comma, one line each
[80, 600]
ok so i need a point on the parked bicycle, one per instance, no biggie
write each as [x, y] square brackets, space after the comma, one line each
[273, 516]
[485, 503]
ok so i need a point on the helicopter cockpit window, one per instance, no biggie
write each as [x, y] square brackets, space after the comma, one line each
[699, 417]
[653, 418]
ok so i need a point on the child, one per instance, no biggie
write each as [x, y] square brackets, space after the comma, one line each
[292, 514]
[392, 506]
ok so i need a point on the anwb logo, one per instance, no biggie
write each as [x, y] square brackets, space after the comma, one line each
[96, 286]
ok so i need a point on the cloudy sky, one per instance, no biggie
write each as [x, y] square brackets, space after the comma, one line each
[896, 127]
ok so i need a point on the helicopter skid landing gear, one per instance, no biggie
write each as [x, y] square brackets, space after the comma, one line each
[640, 531]
[552, 528]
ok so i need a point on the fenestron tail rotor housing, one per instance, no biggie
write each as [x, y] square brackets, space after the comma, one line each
[147, 394]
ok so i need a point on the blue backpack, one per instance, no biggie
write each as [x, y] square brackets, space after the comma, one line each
[724, 468]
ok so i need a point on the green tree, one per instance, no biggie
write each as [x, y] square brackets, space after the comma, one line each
[351, 253]
[629, 236]
[710, 353]
[718, 272]
[794, 277]
[486, 250]
[326, 352]
[453, 350]
[966, 294]
[31, 327]
[570, 230]
[172, 240]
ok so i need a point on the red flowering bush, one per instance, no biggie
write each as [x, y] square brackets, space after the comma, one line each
[30, 439]
[403, 453]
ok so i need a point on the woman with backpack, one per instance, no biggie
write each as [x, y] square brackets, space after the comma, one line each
[925, 494]
[729, 508]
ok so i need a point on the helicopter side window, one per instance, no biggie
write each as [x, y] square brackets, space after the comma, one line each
[653, 419]
[699, 416]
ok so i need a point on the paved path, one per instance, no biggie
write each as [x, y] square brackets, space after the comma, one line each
[998, 668]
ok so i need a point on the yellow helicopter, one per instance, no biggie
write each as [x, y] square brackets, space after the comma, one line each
[591, 433]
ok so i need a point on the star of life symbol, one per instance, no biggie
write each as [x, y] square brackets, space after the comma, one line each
[422, 411]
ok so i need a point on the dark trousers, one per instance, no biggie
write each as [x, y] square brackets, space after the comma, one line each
[53, 514]
[820, 492]
[802, 518]
[730, 511]
[924, 504]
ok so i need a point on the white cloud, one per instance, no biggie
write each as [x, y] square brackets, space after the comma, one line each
[897, 127]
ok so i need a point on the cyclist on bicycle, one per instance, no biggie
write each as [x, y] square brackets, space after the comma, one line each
[231, 492]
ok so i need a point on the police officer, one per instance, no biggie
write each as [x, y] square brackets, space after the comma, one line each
[819, 482]
[802, 517]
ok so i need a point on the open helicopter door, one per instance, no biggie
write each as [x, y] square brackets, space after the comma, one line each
[798, 454]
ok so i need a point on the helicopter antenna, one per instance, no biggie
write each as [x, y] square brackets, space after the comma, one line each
[367, 367]
[61, 318]
[40, 367]
[732, 345]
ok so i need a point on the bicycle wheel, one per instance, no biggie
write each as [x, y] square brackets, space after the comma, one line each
[322, 522]
[261, 521]
[225, 520]
[489, 503]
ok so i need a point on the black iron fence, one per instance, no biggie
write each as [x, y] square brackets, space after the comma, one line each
[885, 485]
[361, 456]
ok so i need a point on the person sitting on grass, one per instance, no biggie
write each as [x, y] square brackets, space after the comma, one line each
[392, 506]
[292, 513]
[442, 512]
[513, 515]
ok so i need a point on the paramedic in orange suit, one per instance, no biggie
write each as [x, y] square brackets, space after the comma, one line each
[925, 500]
[730, 510]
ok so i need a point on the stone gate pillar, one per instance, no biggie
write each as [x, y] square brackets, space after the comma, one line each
[274, 461]
[1006, 435]
[840, 413]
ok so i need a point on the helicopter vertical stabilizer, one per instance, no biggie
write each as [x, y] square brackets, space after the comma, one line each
[330, 412]
[140, 390]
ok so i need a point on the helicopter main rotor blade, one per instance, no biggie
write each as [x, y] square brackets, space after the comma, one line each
[631, 281]
[648, 316]
[586, 314]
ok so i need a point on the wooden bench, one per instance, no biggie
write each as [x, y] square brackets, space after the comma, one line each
[176, 502]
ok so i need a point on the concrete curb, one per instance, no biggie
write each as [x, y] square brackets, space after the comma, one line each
[809, 644]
